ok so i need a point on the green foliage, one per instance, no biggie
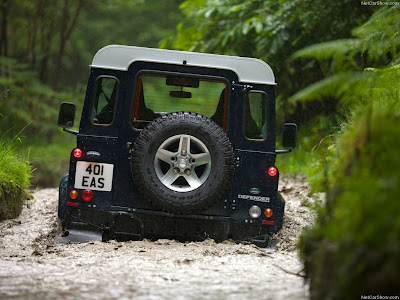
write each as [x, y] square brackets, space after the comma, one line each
[357, 85]
[29, 104]
[328, 49]
[266, 29]
[15, 174]
[137, 23]
[26, 100]
[315, 145]
[354, 247]
[297, 162]
[369, 48]
[51, 43]
[356, 235]
[51, 161]
[273, 31]
[58, 39]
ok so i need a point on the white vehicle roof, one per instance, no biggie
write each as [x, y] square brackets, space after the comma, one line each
[249, 70]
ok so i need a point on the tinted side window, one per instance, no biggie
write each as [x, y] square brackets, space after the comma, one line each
[255, 115]
[103, 105]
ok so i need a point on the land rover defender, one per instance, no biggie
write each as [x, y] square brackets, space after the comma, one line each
[173, 144]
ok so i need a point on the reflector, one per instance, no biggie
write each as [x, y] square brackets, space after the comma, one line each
[268, 213]
[265, 222]
[73, 194]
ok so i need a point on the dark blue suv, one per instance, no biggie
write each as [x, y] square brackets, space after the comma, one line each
[174, 145]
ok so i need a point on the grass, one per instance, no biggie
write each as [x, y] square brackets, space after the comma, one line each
[50, 160]
[297, 162]
[15, 175]
[311, 157]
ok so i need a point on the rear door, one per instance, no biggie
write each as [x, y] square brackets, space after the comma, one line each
[254, 152]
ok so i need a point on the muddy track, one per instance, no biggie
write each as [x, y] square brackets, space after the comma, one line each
[33, 267]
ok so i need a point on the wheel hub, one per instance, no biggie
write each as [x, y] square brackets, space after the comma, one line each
[182, 163]
[178, 168]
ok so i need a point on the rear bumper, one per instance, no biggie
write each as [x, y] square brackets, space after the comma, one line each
[121, 225]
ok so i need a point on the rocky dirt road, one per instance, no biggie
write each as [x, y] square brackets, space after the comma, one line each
[33, 267]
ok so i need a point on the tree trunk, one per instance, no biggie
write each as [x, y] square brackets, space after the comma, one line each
[46, 38]
[4, 26]
[64, 35]
[34, 34]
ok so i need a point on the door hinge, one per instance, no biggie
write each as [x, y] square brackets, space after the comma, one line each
[244, 88]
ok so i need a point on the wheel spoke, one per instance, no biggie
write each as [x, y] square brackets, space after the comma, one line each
[184, 143]
[193, 180]
[164, 155]
[169, 177]
[201, 159]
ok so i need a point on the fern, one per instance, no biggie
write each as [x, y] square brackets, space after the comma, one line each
[350, 79]
[335, 86]
[327, 50]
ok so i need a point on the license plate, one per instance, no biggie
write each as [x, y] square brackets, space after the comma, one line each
[94, 176]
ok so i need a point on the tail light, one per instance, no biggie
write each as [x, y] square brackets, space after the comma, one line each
[272, 171]
[87, 195]
[77, 153]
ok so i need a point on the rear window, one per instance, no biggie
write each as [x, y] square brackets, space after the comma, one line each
[157, 95]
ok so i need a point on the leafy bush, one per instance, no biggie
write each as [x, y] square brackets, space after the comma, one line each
[354, 248]
[271, 31]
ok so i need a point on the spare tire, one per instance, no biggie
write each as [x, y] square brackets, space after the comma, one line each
[182, 163]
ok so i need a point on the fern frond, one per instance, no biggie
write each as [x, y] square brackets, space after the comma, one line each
[384, 21]
[327, 50]
[381, 14]
[342, 86]
[334, 86]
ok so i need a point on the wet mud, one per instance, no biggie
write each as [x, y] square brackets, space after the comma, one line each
[32, 266]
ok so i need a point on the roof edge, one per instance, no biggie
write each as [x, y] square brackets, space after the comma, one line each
[120, 57]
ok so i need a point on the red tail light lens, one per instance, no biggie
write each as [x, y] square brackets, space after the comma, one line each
[272, 171]
[77, 153]
[87, 195]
